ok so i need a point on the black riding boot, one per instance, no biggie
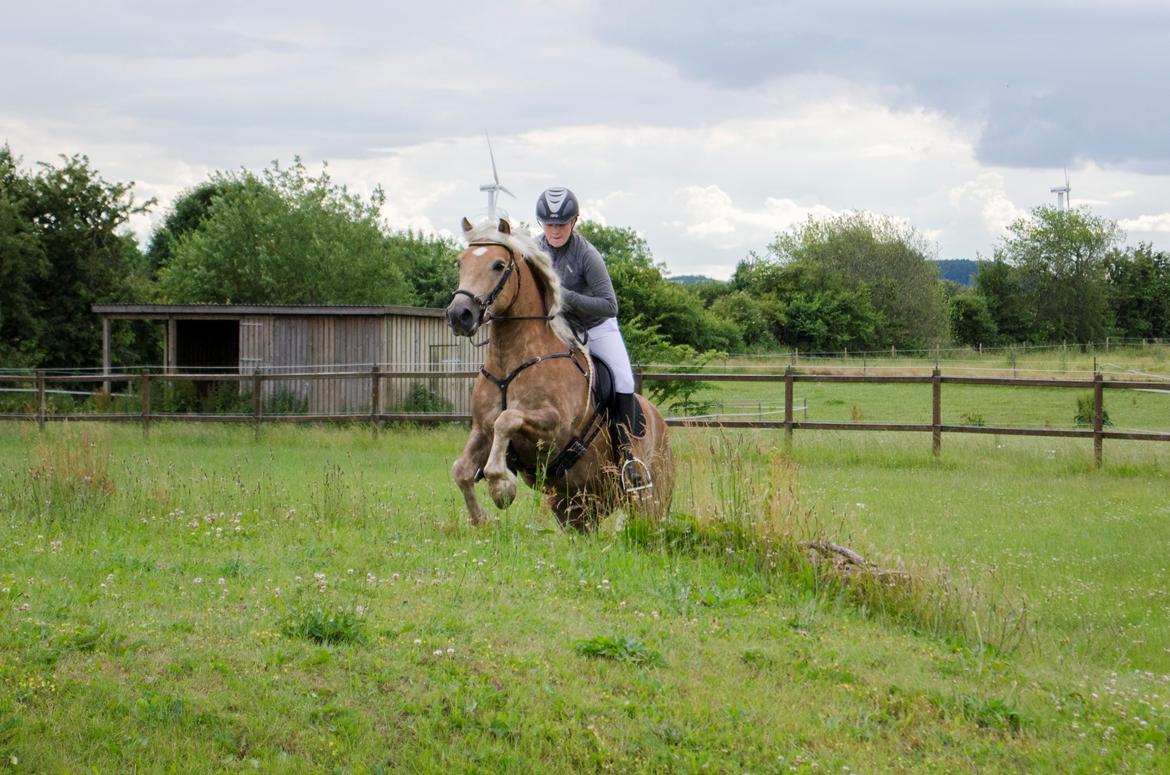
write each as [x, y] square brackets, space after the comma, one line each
[634, 473]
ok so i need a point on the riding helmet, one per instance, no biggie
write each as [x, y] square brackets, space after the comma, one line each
[556, 205]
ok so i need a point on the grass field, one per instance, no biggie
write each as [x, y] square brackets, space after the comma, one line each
[995, 406]
[314, 601]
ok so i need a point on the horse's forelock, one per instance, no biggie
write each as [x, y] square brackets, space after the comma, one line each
[541, 263]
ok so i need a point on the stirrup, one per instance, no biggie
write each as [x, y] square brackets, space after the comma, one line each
[636, 475]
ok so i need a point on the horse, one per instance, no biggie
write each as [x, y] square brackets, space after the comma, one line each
[533, 409]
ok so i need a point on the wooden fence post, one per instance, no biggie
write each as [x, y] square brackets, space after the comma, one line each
[788, 384]
[1098, 418]
[638, 381]
[106, 355]
[40, 400]
[257, 403]
[375, 395]
[145, 402]
[936, 411]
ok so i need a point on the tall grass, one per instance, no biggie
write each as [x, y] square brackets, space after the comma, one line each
[68, 477]
[749, 511]
[315, 601]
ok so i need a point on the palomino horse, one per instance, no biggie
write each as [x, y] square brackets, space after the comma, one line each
[532, 409]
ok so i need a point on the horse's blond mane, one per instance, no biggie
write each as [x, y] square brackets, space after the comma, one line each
[541, 263]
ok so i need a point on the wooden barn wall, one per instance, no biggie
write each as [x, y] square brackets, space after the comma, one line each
[279, 344]
[427, 344]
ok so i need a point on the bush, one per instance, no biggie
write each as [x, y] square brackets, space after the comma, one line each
[326, 627]
[205, 398]
[973, 418]
[1084, 415]
[423, 400]
[622, 649]
[286, 402]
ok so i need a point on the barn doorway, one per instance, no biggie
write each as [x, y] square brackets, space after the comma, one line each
[210, 347]
[207, 346]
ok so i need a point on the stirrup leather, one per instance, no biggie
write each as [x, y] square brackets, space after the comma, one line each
[636, 475]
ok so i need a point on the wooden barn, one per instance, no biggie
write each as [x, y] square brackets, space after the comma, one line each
[292, 339]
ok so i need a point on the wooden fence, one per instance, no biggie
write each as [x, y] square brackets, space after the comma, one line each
[252, 384]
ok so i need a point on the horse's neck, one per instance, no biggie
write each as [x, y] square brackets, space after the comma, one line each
[515, 341]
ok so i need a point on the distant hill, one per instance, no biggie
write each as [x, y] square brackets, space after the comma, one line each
[959, 270]
[691, 279]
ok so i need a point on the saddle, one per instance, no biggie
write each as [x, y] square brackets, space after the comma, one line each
[603, 398]
[604, 416]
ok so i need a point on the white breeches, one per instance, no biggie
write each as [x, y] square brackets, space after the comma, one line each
[605, 341]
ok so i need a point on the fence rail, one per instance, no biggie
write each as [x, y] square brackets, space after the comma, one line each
[147, 382]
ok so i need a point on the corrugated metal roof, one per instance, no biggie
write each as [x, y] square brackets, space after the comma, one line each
[237, 310]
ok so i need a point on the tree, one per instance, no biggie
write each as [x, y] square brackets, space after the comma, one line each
[1138, 289]
[284, 237]
[1061, 256]
[1002, 288]
[429, 265]
[809, 306]
[65, 248]
[830, 321]
[22, 262]
[756, 319]
[672, 310]
[189, 211]
[971, 320]
[885, 260]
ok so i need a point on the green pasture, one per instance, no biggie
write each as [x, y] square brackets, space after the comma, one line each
[313, 600]
[975, 405]
[1021, 360]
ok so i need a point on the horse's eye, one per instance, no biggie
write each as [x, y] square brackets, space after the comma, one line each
[498, 266]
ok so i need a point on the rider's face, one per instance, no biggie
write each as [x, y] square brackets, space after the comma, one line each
[558, 234]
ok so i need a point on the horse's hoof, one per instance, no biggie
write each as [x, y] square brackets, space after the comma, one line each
[503, 492]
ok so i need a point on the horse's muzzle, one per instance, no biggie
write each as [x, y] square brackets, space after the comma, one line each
[463, 316]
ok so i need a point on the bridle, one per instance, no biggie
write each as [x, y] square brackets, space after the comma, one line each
[490, 299]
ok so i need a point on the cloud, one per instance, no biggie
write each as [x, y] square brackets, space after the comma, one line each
[1050, 85]
[712, 217]
[708, 135]
[1147, 223]
[986, 194]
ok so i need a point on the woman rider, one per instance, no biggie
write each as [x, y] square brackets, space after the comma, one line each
[590, 305]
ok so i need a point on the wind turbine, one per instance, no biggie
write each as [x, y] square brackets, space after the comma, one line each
[493, 189]
[1063, 198]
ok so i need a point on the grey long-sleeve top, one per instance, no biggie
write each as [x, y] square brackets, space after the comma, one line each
[587, 291]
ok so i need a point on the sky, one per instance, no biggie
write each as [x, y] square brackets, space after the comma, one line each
[707, 127]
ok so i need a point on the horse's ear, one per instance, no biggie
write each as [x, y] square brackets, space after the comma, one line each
[505, 227]
[467, 225]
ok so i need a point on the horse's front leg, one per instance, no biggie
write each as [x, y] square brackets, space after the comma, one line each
[474, 458]
[533, 423]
